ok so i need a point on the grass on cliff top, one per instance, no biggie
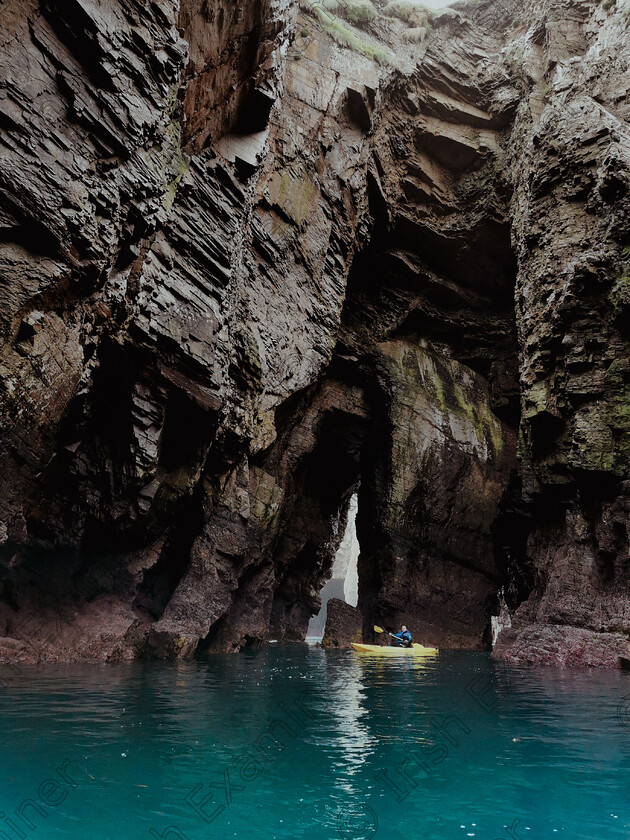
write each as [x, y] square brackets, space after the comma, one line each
[412, 13]
[343, 35]
[357, 12]
[360, 13]
[415, 15]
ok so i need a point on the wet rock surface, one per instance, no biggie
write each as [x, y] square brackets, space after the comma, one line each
[344, 625]
[248, 271]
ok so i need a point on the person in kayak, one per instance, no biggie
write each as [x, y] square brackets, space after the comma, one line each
[403, 639]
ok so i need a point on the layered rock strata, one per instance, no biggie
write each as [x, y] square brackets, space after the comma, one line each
[249, 271]
[570, 228]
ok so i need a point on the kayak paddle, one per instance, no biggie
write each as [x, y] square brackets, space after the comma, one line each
[378, 629]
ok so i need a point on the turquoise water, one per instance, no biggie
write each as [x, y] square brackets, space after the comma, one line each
[296, 742]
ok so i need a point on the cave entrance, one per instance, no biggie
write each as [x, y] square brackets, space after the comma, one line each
[344, 579]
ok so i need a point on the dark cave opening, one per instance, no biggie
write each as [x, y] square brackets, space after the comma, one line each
[447, 308]
[419, 189]
[160, 580]
[323, 487]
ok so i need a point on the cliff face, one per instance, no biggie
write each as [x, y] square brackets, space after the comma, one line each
[249, 270]
[571, 235]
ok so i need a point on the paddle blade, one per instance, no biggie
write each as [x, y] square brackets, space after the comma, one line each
[378, 629]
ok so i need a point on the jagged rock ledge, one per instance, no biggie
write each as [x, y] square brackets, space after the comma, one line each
[254, 261]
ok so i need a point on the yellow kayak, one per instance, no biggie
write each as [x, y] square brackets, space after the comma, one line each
[382, 650]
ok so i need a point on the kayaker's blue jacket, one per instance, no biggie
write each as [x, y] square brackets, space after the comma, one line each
[405, 637]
